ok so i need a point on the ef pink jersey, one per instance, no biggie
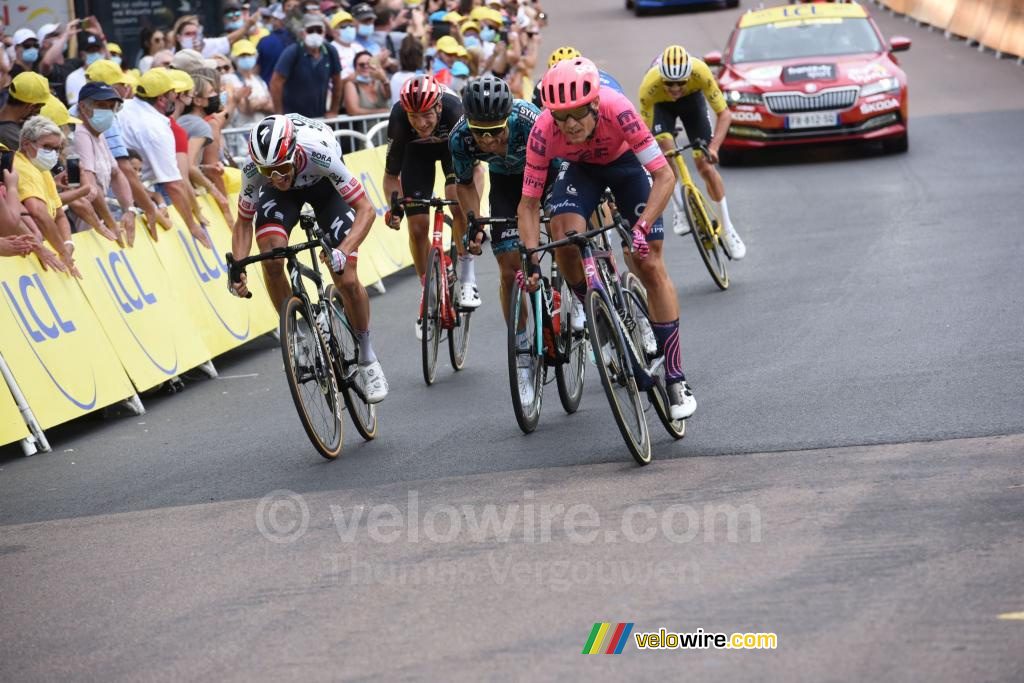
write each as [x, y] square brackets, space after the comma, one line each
[619, 129]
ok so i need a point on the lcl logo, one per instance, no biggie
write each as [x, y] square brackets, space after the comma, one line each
[130, 302]
[54, 324]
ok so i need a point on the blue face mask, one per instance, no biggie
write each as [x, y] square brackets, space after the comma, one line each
[233, 25]
[366, 30]
[92, 57]
[116, 59]
[30, 55]
[363, 79]
[101, 120]
[348, 34]
[247, 63]
[224, 99]
[471, 41]
[488, 34]
[459, 69]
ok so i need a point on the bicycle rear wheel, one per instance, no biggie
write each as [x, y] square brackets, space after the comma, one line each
[311, 379]
[363, 414]
[431, 322]
[657, 394]
[569, 375]
[708, 243]
[458, 336]
[620, 387]
[528, 360]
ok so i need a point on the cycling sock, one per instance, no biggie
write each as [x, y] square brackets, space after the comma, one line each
[366, 354]
[723, 212]
[522, 340]
[668, 340]
[467, 268]
[580, 290]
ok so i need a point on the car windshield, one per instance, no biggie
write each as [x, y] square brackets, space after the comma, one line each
[804, 38]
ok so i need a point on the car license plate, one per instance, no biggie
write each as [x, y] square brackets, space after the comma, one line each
[814, 119]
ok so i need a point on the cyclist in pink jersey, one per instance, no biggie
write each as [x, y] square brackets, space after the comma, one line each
[603, 143]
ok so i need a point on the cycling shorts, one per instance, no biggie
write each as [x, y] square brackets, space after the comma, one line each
[692, 110]
[579, 186]
[277, 211]
[417, 173]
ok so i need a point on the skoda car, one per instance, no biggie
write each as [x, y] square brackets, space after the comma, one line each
[812, 73]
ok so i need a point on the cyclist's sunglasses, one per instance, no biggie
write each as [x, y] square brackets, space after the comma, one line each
[563, 115]
[488, 130]
[280, 170]
[674, 84]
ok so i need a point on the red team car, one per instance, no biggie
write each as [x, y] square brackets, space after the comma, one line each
[812, 73]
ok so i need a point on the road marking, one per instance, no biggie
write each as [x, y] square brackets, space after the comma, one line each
[1012, 615]
[252, 374]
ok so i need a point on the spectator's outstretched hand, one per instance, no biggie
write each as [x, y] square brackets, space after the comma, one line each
[48, 260]
[17, 245]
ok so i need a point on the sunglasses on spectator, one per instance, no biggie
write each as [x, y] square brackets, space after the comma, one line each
[563, 115]
[233, 15]
[224, 69]
[314, 29]
[281, 170]
[363, 65]
[29, 44]
[487, 130]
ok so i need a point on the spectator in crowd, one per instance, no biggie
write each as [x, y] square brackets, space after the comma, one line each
[365, 17]
[114, 50]
[41, 142]
[26, 96]
[369, 92]
[54, 43]
[162, 60]
[410, 60]
[228, 84]
[145, 129]
[26, 51]
[99, 171]
[152, 41]
[270, 48]
[448, 52]
[305, 74]
[77, 199]
[385, 35]
[92, 48]
[329, 7]
[344, 42]
[253, 96]
[233, 16]
[188, 35]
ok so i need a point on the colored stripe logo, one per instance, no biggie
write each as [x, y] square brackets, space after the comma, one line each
[608, 639]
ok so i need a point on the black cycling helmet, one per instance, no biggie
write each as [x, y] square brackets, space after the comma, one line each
[486, 98]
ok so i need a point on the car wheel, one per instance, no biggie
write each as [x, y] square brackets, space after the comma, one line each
[896, 145]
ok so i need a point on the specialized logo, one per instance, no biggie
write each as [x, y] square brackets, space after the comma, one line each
[607, 638]
[881, 105]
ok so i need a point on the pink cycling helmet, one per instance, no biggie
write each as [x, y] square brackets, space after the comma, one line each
[570, 83]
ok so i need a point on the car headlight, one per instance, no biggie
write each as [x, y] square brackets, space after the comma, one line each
[741, 97]
[884, 85]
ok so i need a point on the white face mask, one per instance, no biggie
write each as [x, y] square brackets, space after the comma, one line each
[45, 159]
[314, 40]
[187, 43]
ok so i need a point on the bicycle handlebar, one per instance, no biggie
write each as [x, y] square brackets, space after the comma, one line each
[236, 267]
[698, 145]
[399, 203]
[575, 238]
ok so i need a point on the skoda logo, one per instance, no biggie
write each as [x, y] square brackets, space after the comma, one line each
[810, 87]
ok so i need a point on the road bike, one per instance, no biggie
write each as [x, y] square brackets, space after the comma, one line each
[704, 224]
[438, 310]
[544, 318]
[320, 350]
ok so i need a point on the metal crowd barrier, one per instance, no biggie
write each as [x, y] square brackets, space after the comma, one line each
[368, 130]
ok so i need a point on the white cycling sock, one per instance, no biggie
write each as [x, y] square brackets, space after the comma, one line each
[467, 269]
[366, 354]
[522, 340]
[723, 212]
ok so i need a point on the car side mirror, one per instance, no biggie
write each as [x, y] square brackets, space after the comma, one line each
[899, 44]
[715, 58]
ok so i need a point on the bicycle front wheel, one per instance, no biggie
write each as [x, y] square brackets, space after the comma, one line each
[431, 322]
[611, 358]
[525, 362]
[458, 336]
[704, 234]
[569, 375]
[311, 379]
[363, 414]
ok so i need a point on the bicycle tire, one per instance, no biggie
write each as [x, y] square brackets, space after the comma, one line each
[431, 321]
[628, 411]
[362, 414]
[657, 394]
[320, 419]
[708, 244]
[458, 336]
[569, 376]
[527, 415]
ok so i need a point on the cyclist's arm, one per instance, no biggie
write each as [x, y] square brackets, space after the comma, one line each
[648, 95]
[649, 153]
[365, 215]
[716, 100]
[528, 214]
[469, 200]
[721, 128]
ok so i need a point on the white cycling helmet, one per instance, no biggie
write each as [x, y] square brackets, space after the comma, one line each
[675, 64]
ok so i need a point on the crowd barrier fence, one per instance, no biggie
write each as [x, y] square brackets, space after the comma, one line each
[994, 24]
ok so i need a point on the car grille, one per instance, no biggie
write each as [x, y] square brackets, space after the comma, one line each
[788, 102]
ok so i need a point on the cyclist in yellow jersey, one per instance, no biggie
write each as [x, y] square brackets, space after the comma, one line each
[680, 87]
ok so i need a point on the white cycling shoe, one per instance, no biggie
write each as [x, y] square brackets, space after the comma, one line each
[734, 246]
[679, 224]
[682, 404]
[577, 316]
[469, 295]
[371, 382]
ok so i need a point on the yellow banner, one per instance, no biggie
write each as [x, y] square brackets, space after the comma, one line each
[54, 344]
[12, 426]
[140, 310]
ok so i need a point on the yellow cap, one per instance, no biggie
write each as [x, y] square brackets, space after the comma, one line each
[259, 35]
[340, 18]
[154, 83]
[28, 86]
[449, 45]
[243, 47]
[488, 14]
[114, 48]
[106, 71]
[452, 17]
[469, 25]
[182, 80]
[55, 110]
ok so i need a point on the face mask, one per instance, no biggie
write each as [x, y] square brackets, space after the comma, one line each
[224, 99]
[45, 159]
[101, 120]
[187, 43]
[30, 55]
[471, 41]
[213, 106]
[169, 108]
[314, 40]
[233, 25]
[365, 30]
[363, 79]
[348, 34]
[488, 34]
[92, 57]
[246, 63]
[459, 69]
[116, 59]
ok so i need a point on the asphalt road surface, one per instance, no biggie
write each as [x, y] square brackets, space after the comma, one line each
[852, 480]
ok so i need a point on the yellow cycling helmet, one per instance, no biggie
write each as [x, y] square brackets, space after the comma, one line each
[561, 54]
[675, 64]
